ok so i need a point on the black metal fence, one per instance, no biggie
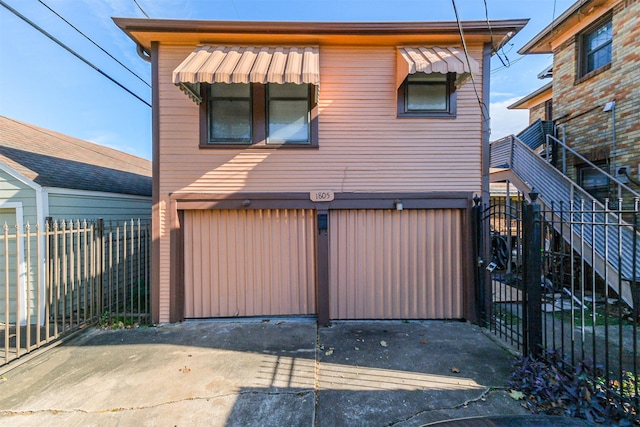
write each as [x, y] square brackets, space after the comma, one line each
[562, 279]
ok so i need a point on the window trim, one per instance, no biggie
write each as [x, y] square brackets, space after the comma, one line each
[259, 121]
[450, 113]
[582, 73]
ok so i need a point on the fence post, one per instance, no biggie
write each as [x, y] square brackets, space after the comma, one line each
[532, 270]
[100, 266]
[481, 311]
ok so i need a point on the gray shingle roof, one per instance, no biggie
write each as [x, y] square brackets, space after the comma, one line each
[52, 159]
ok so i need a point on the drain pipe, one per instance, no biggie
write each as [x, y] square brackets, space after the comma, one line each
[611, 106]
[142, 53]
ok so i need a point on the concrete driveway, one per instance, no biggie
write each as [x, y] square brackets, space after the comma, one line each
[276, 372]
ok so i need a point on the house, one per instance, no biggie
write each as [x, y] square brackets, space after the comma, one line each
[317, 169]
[45, 175]
[594, 96]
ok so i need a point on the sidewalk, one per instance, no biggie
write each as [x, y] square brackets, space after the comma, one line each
[280, 372]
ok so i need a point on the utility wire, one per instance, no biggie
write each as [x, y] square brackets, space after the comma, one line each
[68, 49]
[141, 9]
[483, 106]
[94, 43]
[497, 51]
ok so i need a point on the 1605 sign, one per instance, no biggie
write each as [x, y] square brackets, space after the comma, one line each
[321, 195]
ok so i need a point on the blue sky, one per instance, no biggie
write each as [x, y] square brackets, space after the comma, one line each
[42, 84]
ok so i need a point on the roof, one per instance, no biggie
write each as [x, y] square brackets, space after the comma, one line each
[573, 16]
[534, 98]
[145, 31]
[51, 159]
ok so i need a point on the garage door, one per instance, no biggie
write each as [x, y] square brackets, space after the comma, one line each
[249, 262]
[388, 264]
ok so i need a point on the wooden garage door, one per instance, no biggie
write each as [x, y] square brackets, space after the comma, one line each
[387, 264]
[249, 263]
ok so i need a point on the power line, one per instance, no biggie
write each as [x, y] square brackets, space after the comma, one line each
[483, 106]
[94, 43]
[68, 49]
[497, 51]
[141, 9]
[495, 70]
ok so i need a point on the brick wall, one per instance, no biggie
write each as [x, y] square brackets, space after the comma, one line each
[537, 112]
[588, 128]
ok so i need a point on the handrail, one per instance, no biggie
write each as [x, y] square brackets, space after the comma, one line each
[558, 174]
[585, 160]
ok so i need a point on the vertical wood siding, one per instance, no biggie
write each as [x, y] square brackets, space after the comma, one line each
[249, 263]
[387, 264]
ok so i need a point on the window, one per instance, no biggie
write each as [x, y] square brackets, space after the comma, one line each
[427, 95]
[595, 47]
[548, 110]
[256, 115]
[230, 114]
[288, 114]
[594, 181]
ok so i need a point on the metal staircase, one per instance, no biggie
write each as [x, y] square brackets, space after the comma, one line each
[610, 254]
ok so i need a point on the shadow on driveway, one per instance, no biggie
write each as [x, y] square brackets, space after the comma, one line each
[280, 372]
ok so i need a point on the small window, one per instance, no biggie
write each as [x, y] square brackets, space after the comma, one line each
[548, 110]
[427, 95]
[258, 115]
[594, 181]
[596, 47]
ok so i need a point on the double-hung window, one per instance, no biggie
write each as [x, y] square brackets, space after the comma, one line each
[270, 115]
[427, 95]
[595, 47]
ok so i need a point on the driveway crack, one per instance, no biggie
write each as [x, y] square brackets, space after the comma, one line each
[4, 413]
[466, 403]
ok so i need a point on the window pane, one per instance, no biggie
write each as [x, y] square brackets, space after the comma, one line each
[288, 90]
[597, 48]
[426, 97]
[234, 90]
[288, 121]
[230, 120]
[600, 36]
[599, 58]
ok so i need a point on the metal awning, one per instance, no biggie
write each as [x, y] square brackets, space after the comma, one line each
[235, 64]
[435, 60]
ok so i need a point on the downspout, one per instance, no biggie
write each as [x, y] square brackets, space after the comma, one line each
[155, 183]
[486, 125]
[143, 53]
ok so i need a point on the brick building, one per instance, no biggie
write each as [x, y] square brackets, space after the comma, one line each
[594, 97]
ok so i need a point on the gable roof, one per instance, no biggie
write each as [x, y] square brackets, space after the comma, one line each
[52, 159]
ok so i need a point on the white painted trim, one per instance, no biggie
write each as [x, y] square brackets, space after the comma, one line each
[72, 192]
[22, 289]
[17, 175]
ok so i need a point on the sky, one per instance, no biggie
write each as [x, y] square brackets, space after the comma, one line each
[45, 85]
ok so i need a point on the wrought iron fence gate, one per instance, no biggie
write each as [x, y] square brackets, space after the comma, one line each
[562, 279]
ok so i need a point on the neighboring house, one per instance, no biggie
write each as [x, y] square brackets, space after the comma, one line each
[48, 175]
[322, 169]
[595, 91]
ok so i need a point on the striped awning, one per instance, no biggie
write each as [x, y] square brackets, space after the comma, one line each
[235, 64]
[435, 60]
